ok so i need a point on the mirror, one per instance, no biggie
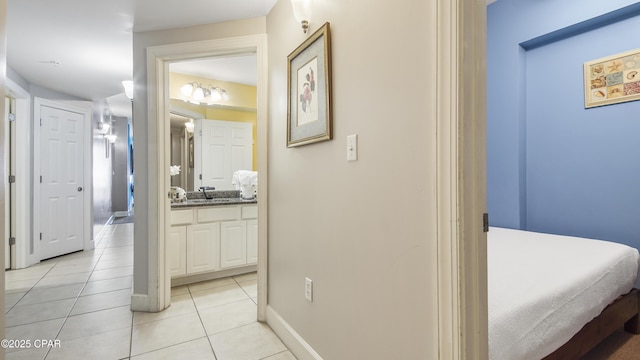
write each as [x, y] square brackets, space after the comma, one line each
[221, 100]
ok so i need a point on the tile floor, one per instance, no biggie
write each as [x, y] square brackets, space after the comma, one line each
[83, 301]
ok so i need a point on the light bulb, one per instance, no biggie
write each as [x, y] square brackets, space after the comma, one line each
[215, 94]
[198, 94]
[187, 89]
[302, 12]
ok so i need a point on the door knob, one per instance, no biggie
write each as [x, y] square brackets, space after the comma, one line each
[79, 188]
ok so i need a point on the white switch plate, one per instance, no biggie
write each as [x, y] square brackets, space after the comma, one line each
[352, 147]
[308, 289]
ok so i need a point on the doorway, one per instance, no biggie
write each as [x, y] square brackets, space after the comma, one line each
[158, 60]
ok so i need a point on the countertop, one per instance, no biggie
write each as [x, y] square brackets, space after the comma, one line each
[218, 198]
[212, 202]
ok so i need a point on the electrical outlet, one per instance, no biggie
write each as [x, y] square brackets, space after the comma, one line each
[308, 289]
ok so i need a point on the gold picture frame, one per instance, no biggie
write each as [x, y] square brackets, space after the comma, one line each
[309, 112]
[612, 79]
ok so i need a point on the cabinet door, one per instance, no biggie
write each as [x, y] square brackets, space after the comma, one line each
[177, 250]
[203, 243]
[233, 243]
[252, 242]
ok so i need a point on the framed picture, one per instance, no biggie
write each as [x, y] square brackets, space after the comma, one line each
[309, 90]
[612, 79]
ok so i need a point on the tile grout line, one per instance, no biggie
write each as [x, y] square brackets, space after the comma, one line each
[77, 297]
[74, 303]
[206, 335]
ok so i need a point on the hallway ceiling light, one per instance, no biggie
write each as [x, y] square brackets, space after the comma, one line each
[103, 128]
[302, 12]
[128, 88]
[111, 138]
[197, 94]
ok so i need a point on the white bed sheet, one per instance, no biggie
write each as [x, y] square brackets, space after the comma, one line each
[544, 288]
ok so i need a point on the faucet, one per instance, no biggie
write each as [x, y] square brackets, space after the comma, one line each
[204, 191]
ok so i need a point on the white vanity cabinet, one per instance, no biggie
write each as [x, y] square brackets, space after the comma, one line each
[252, 241]
[203, 244]
[177, 251]
[233, 244]
[208, 239]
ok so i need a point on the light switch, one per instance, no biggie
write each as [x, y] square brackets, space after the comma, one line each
[352, 147]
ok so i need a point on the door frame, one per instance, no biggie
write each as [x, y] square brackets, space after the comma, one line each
[461, 179]
[158, 60]
[87, 152]
[23, 170]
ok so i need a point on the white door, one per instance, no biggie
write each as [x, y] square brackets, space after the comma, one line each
[62, 189]
[222, 148]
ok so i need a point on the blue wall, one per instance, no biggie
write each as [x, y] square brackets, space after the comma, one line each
[552, 165]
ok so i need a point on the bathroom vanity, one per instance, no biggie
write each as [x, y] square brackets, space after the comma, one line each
[212, 238]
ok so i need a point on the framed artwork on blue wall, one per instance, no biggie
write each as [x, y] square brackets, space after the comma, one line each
[612, 79]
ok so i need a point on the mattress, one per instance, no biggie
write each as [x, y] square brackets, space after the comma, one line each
[544, 288]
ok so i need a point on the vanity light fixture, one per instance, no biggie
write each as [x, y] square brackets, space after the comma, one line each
[195, 93]
[302, 12]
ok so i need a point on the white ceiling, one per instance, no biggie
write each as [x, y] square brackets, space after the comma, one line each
[84, 47]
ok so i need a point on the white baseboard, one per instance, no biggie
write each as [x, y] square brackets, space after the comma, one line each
[178, 281]
[121, 213]
[300, 348]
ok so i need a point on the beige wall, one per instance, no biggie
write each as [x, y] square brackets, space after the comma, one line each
[363, 231]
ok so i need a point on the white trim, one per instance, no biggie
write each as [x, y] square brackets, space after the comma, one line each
[118, 214]
[461, 173]
[23, 171]
[88, 242]
[6, 194]
[141, 302]
[300, 348]
[158, 59]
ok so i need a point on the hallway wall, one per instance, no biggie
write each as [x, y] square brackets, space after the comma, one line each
[364, 231]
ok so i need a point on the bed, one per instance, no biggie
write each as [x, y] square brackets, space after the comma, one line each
[554, 296]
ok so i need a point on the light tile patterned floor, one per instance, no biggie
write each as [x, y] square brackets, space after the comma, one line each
[83, 300]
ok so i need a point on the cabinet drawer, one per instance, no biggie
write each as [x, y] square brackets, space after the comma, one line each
[220, 213]
[181, 217]
[250, 212]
